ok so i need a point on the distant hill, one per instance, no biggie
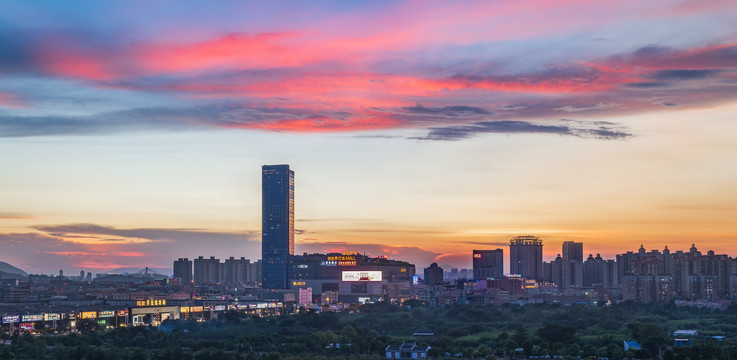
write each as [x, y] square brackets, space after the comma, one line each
[6, 268]
[133, 270]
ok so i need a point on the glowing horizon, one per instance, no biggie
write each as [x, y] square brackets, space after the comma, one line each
[417, 130]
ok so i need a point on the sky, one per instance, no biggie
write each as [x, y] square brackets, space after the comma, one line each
[133, 133]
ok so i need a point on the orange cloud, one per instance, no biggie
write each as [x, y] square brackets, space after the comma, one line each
[324, 124]
[85, 253]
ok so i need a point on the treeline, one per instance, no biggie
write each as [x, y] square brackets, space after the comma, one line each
[461, 331]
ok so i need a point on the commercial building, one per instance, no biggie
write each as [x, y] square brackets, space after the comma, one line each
[488, 264]
[352, 278]
[526, 257]
[277, 226]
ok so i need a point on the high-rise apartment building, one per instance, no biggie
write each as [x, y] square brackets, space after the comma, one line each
[572, 265]
[277, 225]
[488, 264]
[236, 270]
[207, 271]
[526, 257]
[572, 251]
[183, 270]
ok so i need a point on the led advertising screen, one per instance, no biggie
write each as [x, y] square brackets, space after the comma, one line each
[88, 314]
[11, 319]
[52, 317]
[31, 318]
[362, 276]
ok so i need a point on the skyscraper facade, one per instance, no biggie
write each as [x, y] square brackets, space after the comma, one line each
[526, 257]
[488, 264]
[277, 225]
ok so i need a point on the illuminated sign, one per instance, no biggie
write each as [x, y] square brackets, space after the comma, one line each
[121, 312]
[11, 319]
[302, 266]
[151, 302]
[404, 270]
[32, 318]
[342, 258]
[106, 314]
[26, 326]
[101, 322]
[184, 309]
[52, 317]
[338, 262]
[477, 255]
[361, 276]
[219, 307]
[298, 283]
[88, 314]
[196, 308]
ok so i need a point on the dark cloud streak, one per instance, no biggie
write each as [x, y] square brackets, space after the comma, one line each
[521, 127]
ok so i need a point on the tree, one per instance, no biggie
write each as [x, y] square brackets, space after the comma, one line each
[510, 345]
[557, 333]
[651, 336]
[520, 336]
[349, 332]
[87, 325]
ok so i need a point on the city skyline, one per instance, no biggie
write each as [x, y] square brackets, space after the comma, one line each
[420, 131]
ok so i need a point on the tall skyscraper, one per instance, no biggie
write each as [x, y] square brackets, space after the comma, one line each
[526, 257]
[277, 225]
[183, 270]
[488, 264]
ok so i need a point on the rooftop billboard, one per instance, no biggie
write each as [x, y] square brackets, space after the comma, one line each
[361, 276]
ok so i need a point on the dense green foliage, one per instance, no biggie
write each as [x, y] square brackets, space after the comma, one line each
[462, 331]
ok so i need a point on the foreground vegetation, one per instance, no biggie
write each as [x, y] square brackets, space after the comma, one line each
[460, 332]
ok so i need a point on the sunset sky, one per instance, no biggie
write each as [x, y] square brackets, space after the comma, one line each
[133, 132]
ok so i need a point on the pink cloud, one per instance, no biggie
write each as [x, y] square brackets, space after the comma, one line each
[11, 101]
